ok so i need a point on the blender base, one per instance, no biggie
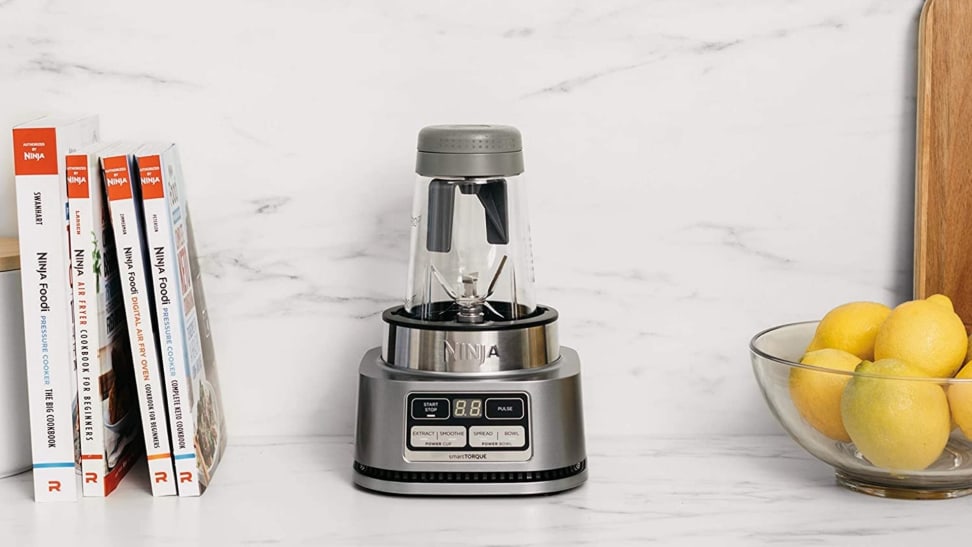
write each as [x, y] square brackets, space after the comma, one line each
[533, 446]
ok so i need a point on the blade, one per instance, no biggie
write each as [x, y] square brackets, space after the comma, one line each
[490, 307]
[492, 283]
[445, 284]
[451, 307]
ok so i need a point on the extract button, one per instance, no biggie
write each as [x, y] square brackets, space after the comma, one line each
[443, 436]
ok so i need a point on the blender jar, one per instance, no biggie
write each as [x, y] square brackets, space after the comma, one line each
[471, 260]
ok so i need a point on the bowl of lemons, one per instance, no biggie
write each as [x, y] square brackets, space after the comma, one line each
[883, 395]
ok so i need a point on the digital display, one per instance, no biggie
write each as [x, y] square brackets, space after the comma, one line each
[467, 408]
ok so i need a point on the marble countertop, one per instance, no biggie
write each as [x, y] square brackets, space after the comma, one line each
[732, 490]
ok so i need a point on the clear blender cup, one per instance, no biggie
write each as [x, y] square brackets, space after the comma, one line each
[471, 260]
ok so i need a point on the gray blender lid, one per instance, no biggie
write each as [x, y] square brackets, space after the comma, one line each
[469, 151]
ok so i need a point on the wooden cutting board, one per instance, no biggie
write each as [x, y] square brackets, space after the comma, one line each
[9, 254]
[943, 189]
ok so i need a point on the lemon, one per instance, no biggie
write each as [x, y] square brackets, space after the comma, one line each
[851, 327]
[816, 394]
[960, 401]
[896, 423]
[968, 353]
[942, 300]
[926, 333]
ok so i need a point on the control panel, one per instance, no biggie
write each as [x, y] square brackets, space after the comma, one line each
[467, 427]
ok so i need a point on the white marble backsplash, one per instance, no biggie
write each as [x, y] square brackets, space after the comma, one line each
[698, 171]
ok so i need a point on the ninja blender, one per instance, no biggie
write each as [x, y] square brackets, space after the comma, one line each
[471, 392]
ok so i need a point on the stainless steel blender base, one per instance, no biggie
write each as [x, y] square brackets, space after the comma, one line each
[398, 452]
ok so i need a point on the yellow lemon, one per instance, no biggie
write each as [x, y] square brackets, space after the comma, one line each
[968, 353]
[942, 300]
[960, 401]
[816, 394]
[851, 327]
[896, 423]
[925, 333]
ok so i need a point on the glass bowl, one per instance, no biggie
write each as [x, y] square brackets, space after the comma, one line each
[776, 352]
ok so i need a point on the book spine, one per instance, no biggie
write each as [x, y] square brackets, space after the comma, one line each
[122, 189]
[170, 290]
[85, 248]
[42, 223]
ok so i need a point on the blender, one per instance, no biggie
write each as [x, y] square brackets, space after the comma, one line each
[471, 392]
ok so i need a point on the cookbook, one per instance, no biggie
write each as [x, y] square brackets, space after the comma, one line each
[39, 149]
[197, 421]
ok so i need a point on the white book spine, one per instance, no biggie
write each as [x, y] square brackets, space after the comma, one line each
[170, 292]
[84, 214]
[123, 194]
[41, 197]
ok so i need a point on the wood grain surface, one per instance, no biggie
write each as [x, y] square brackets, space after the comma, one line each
[943, 190]
[9, 254]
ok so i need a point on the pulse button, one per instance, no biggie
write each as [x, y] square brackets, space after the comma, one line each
[504, 409]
